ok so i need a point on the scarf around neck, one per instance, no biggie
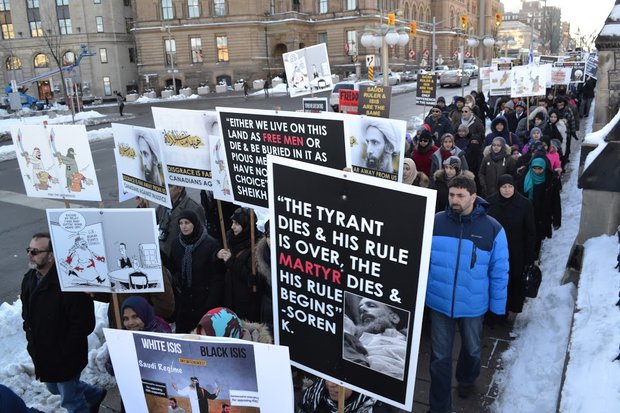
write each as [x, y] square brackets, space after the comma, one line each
[190, 243]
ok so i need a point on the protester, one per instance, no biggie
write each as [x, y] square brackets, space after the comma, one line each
[242, 295]
[473, 122]
[559, 131]
[541, 187]
[535, 136]
[516, 215]
[197, 275]
[451, 168]
[411, 176]
[446, 150]
[554, 156]
[139, 315]
[499, 127]
[57, 325]
[423, 152]
[468, 276]
[496, 162]
[439, 124]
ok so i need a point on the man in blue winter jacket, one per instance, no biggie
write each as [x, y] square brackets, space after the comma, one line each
[468, 276]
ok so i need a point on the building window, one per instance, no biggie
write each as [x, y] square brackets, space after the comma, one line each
[97, 1]
[132, 55]
[62, 2]
[219, 7]
[296, 6]
[65, 26]
[35, 29]
[13, 63]
[107, 86]
[351, 4]
[103, 55]
[323, 6]
[34, 18]
[5, 20]
[68, 58]
[352, 42]
[193, 9]
[32, 4]
[167, 9]
[99, 21]
[40, 61]
[171, 51]
[196, 46]
[323, 38]
[222, 48]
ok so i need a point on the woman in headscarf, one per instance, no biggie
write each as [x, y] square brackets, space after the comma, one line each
[542, 188]
[411, 176]
[242, 294]
[423, 151]
[516, 215]
[499, 127]
[446, 150]
[496, 162]
[197, 276]
[139, 315]
[451, 168]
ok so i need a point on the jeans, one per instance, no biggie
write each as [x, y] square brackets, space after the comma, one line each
[468, 365]
[75, 395]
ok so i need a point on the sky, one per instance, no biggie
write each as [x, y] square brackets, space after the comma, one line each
[588, 16]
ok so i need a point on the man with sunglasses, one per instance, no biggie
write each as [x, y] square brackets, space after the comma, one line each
[57, 325]
[439, 124]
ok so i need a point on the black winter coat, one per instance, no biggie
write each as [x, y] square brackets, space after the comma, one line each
[207, 289]
[240, 283]
[516, 215]
[57, 325]
[491, 170]
[547, 207]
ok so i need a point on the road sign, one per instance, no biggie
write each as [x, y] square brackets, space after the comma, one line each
[439, 60]
[370, 60]
[354, 58]
[411, 54]
[426, 53]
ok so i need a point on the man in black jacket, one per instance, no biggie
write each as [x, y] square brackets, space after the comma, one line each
[57, 325]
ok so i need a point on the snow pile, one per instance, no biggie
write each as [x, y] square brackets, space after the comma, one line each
[598, 138]
[17, 370]
[81, 117]
[532, 367]
[592, 378]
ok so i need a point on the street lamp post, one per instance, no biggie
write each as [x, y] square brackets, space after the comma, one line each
[171, 57]
[382, 37]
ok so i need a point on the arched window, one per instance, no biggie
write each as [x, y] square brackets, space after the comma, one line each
[41, 60]
[13, 63]
[68, 58]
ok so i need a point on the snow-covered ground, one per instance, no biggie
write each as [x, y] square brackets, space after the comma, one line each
[532, 367]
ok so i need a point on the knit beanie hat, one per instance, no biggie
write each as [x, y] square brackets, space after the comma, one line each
[540, 115]
[220, 322]
[455, 162]
[535, 130]
[505, 179]
[143, 309]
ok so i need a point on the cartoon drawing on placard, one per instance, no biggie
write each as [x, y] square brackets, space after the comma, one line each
[40, 177]
[81, 262]
[222, 188]
[75, 179]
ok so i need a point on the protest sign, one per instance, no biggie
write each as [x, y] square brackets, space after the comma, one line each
[141, 163]
[186, 145]
[56, 162]
[348, 101]
[375, 100]
[377, 146]
[307, 70]
[337, 252]
[315, 105]
[108, 250]
[499, 83]
[220, 177]
[578, 70]
[151, 368]
[426, 90]
[249, 135]
[592, 65]
[528, 80]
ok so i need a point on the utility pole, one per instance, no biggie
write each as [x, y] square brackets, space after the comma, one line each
[481, 32]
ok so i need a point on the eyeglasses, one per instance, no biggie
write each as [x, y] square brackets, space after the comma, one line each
[34, 252]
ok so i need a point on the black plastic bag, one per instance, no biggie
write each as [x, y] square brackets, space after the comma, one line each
[532, 278]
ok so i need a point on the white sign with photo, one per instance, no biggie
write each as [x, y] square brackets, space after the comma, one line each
[307, 70]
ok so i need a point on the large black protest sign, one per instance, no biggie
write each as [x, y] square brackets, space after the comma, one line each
[249, 136]
[426, 91]
[350, 274]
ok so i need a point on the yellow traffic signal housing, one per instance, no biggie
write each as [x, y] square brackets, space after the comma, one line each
[391, 18]
[464, 22]
[498, 19]
[413, 26]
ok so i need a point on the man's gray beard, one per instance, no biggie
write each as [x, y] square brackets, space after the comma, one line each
[376, 326]
[34, 265]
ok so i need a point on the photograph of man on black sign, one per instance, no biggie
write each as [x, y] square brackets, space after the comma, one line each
[375, 335]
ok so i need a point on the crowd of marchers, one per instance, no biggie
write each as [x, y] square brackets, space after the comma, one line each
[498, 197]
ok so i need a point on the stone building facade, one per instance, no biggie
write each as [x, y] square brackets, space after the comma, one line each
[103, 26]
[192, 42]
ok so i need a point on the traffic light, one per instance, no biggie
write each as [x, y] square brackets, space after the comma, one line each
[464, 22]
[391, 18]
[413, 26]
[498, 19]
